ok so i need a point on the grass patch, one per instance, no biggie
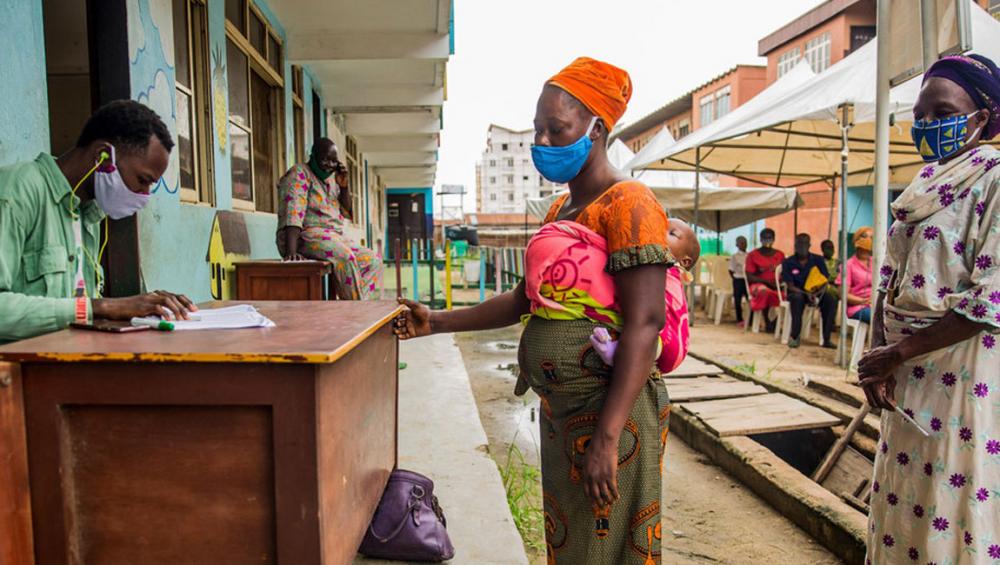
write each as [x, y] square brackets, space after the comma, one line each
[748, 368]
[522, 483]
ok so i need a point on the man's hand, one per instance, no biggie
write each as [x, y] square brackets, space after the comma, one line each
[600, 472]
[413, 322]
[160, 303]
[876, 371]
[294, 257]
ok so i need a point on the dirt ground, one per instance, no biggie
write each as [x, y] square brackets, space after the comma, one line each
[709, 516]
[767, 357]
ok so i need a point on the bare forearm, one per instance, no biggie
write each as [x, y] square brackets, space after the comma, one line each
[498, 312]
[855, 300]
[292, 234]
[633, 362]
[878, 323]
[346, 202]
[951, 329]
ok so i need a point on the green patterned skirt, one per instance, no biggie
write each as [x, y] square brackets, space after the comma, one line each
[558, 362]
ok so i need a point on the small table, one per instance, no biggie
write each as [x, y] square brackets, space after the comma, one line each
[274, 279]
[203, 447]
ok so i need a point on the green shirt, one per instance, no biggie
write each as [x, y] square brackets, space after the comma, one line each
[38, 250]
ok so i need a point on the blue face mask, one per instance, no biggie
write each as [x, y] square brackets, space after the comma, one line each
[562, 164]
[940, 139]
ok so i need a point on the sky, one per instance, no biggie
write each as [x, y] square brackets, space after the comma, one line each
[504, 52]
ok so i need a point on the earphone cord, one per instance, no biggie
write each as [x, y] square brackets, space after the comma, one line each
[73, 214]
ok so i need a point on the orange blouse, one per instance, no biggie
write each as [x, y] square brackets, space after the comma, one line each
[633, 222]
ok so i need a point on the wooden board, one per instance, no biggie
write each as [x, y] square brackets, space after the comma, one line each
[759, 414]
[710, 388]
[851, 476]
[15, 504]
[692, 367]
[305, 332]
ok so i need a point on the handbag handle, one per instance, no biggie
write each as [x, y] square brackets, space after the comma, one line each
[416, 495]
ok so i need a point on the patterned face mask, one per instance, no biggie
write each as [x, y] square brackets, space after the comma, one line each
[940, 139]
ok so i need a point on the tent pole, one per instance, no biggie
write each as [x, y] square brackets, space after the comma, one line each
[845, 128]
[697, 194]
[796, 221]
[833, 199]
[881, 189]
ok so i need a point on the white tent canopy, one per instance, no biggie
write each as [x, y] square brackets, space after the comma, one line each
[795, 137]
[722, 208]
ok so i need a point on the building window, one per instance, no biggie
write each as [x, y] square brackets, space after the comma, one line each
[493, 197]
[256, 106]
[509, 179]
[493, 180]
[194, 139]
[509, 162]
[861, 35]
[683, 129]
[355, 176]
[298, 115]
[788, 60]
[503, 147]
[493, 162]
[510, 197]
[818, 52]
[525, 178]
[722, 102]
[706, 109]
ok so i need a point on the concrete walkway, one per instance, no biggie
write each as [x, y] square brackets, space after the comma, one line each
[441, 436]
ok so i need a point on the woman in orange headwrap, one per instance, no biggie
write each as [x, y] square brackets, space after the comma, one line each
[603, 429]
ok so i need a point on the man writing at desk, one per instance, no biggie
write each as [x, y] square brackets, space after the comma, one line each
[50, 211]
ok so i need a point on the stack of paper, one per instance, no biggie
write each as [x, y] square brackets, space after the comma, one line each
[229, 318]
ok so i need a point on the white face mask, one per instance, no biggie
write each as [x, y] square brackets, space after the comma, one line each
[113, 196]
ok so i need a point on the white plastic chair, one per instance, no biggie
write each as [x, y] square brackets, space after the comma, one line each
[722, 287]
[859, 340]
[753, 318]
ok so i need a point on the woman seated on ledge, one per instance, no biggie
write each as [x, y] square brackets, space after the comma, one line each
[311, 213]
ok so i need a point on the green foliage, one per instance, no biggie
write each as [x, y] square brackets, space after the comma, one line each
[522, 482]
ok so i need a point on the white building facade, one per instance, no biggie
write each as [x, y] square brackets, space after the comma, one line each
[506, 175]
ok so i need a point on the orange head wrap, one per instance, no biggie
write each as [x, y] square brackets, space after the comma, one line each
[603, 88]
[863, 238]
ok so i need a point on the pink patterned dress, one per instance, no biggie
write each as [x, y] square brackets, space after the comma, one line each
[306, 202]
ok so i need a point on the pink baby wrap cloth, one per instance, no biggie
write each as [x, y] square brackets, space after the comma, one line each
[565, 280]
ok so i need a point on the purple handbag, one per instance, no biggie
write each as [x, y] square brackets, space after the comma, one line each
[408, 524]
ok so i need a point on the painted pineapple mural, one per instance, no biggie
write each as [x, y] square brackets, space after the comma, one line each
[219, 108]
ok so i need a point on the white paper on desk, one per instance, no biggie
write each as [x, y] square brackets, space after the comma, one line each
[228, 318]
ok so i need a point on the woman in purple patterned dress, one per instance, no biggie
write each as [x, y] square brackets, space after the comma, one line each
[936, 498]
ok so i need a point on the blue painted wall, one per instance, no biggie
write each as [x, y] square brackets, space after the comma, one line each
[24, 110]
[174, 236]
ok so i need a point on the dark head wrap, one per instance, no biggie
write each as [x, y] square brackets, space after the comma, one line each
[979, 77]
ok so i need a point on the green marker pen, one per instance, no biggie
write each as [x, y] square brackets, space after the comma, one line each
[161, 325]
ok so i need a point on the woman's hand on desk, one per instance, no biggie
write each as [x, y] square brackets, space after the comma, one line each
[159, 303]
[415, 321]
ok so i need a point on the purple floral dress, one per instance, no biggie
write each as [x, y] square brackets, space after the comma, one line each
[305, 201]
[937, 499]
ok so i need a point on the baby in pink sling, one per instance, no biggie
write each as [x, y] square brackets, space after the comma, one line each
[565, 280]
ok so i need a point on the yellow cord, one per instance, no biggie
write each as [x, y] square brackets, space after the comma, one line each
[100, 254]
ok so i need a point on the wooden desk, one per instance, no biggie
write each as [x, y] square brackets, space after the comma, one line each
[284, 280]
[238, 446]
